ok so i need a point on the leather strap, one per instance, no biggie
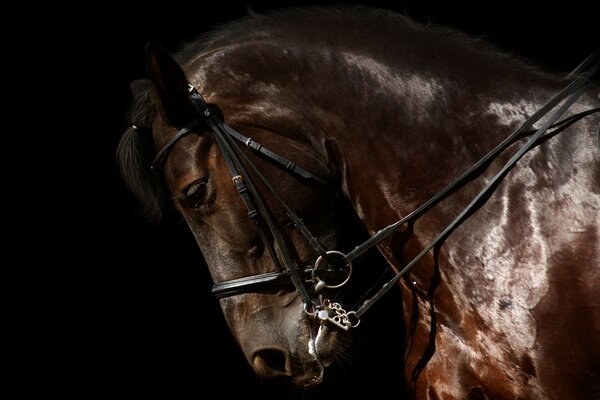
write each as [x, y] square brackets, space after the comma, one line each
[261, 150]
[167, 147]
[249, 284]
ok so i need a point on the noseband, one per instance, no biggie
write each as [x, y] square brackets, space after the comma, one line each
[333, 269]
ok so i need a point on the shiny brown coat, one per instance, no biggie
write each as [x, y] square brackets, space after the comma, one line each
[507, 306]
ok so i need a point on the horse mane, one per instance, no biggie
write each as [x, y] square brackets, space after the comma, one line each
[288, 22]
[136, 148]
[135, 153]
[254, 24]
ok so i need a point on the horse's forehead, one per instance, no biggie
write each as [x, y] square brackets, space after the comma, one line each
[188, 161]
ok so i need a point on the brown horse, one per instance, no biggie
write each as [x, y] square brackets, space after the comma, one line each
[385, 113]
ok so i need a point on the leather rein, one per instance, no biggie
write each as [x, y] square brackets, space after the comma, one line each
[332, 269]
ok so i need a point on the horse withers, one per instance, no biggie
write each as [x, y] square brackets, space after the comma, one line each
[364, 114]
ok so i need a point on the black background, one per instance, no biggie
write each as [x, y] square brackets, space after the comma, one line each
[130, 313]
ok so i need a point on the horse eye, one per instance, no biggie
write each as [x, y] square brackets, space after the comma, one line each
[196, 193]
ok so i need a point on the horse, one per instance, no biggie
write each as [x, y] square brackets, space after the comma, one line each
[352, 118]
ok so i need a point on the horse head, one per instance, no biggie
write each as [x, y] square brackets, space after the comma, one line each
[277, 335]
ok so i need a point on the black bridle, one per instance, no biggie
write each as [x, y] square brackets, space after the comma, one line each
[330, 264]
[333, 269]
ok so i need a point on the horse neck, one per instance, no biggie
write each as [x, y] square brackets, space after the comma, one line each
[395, 125]
[406, 133]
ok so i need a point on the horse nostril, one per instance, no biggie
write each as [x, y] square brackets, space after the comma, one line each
[271, 362]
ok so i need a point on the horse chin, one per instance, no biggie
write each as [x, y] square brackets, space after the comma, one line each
[311, 376]
[321, 351]
[324, 344]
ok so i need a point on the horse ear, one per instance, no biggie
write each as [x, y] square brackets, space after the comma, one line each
[169, 86]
